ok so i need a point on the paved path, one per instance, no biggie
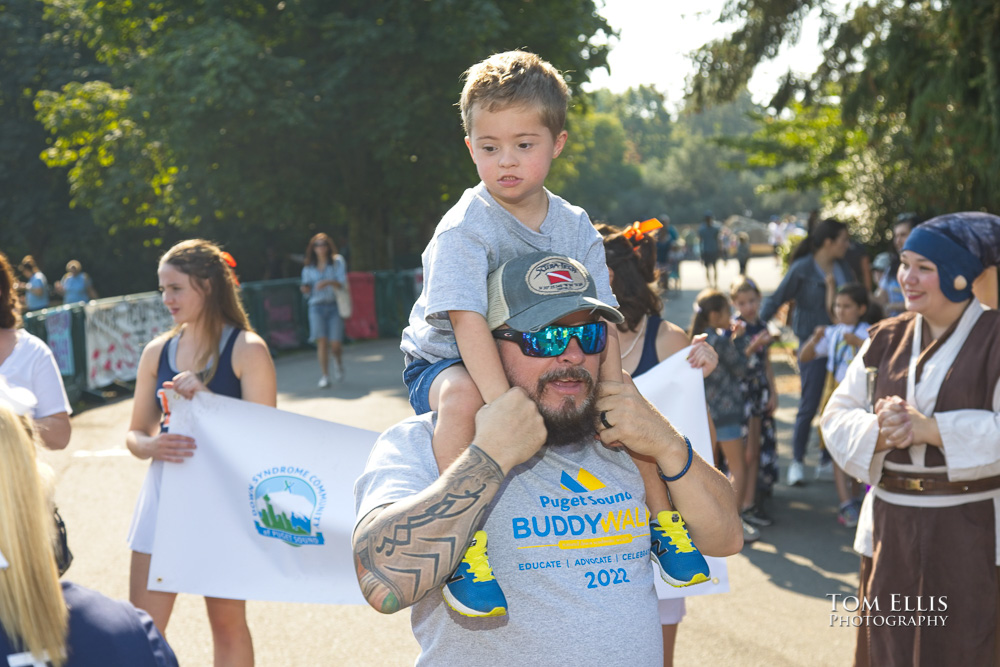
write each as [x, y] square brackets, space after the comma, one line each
[777, 613]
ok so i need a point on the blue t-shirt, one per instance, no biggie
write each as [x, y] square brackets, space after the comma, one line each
[895, 302]
[75, 288]
[839, 352]
[334, 270]
[708, 235]
[36, 301]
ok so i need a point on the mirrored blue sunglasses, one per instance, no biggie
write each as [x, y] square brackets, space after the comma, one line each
[553, 341]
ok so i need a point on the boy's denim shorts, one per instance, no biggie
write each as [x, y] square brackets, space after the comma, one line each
[418, 376]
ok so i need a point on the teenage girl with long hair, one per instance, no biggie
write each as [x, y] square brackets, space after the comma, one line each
[212, 347]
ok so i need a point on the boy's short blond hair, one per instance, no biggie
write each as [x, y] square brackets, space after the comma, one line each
[515, 79]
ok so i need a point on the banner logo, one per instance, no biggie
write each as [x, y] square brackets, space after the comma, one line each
[287, 506]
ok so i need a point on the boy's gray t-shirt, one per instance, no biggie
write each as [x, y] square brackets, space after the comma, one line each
[568, 539]
[474, 239]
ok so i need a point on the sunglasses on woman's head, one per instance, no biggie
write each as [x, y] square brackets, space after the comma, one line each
[553, 341]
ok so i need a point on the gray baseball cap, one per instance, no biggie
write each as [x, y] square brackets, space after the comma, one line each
[532, 291]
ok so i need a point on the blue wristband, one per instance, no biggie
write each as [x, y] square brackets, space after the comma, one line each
[686, 465]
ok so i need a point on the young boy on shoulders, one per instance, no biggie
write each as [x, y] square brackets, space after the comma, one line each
[513, 108]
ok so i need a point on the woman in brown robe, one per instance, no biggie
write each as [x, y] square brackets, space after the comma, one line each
[918, 418]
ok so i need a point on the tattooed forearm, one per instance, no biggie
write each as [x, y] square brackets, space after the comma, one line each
[380, 593]
[412, 546]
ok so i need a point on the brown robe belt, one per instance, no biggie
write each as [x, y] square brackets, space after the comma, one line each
[934, 484]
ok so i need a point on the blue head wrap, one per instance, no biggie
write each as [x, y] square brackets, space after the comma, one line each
[961, 245]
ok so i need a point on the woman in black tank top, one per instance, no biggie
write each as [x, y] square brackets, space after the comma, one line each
[645, 340]
[211, 348]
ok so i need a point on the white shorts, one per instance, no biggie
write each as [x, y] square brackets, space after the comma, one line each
[140, 534]
[671, 611]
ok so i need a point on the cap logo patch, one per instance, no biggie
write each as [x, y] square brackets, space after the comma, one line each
[554, 275]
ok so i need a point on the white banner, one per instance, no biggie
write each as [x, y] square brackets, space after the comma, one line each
[116, 334]
[678, 391]
[264, 510]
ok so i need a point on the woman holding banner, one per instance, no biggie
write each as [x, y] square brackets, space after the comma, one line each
[212, 347]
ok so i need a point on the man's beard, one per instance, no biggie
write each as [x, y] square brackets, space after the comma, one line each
[568, 423]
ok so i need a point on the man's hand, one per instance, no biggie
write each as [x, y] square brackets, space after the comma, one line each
[636, 423]
[510, 430]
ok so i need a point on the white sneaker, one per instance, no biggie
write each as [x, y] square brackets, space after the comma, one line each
[796, 474]
[750, 533]
[824, 471]
[338, 373]
[324, 382]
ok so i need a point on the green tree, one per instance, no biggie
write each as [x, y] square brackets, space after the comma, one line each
[708, 168]
[644, 117]
[34, 201]
[594, 172]
[246, 121]
[918, 82]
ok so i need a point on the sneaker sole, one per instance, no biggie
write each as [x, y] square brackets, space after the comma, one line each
[677, 583]
[460, 608]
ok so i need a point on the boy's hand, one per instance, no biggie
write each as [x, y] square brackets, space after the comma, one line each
[818, 333]
[738, 328]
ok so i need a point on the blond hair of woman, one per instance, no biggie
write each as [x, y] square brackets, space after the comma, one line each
[32, 611]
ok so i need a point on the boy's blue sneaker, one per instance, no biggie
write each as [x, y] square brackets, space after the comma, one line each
[473, 590]
[680, 562]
